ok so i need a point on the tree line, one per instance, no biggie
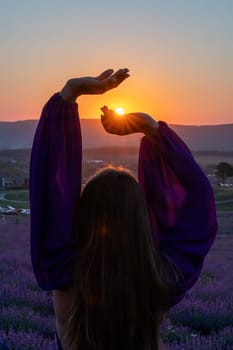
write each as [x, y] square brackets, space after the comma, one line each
[224, 170]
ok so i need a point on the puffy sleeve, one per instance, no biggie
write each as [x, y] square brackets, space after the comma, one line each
[181, 205]
[55, 184]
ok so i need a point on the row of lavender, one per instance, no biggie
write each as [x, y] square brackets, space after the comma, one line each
[203, 320]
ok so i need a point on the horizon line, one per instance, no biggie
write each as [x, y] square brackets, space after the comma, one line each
[86, 118]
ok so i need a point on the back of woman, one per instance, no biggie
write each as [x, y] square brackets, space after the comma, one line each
[121, 284]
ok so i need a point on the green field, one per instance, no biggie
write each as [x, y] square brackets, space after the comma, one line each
[223, 194]
[223, 198]
[224, 206]
[19, 195]
[15, 198]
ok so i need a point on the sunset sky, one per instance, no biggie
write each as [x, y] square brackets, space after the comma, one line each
[179, 52]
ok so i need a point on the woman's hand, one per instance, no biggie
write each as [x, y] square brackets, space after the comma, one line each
[128, 123]
[107, 80]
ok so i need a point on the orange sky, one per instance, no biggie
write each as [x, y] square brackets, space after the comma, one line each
[180, 57]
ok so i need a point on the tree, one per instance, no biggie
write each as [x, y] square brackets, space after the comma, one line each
[224, 170]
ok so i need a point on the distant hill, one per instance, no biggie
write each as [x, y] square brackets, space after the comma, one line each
[19, 135]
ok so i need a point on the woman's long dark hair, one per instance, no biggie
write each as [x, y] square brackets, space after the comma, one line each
[121, 285]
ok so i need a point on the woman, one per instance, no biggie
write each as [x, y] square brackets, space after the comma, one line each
[121, 254]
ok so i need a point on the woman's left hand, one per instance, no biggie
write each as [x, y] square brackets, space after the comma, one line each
[129, 123]
[107, 80]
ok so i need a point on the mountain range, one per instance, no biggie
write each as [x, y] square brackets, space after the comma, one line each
[19, 135]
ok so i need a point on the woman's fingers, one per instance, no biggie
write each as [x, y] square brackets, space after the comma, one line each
[115, 79]
[108, 116]
[105, 74]
[120, 75]
[121, 71]
[105, 109]
[107, 81]
[107, 119]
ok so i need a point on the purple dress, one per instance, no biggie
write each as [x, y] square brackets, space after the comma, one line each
[179, 197]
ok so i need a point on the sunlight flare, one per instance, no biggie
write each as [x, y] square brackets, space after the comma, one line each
[119, 111]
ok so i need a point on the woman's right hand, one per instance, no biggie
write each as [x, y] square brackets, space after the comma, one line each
[107, 80]
[128, 123]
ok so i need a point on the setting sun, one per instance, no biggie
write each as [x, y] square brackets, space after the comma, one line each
[119, 111]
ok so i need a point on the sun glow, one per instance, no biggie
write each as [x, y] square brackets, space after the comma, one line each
[119, 111]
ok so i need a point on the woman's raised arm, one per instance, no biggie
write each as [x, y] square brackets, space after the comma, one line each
[181, 205]
[55, 179]
[55, 183]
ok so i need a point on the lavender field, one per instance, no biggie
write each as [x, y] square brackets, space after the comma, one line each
[202, 321]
